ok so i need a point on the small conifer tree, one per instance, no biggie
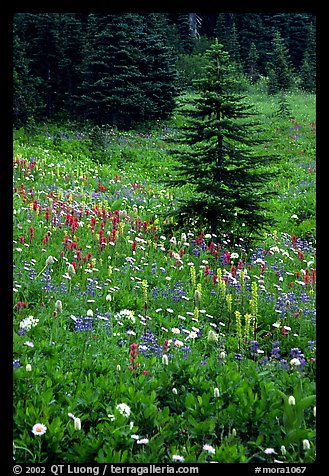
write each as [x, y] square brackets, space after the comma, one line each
[283, 110]
[252, 69]
[220, 163]
[279, 68]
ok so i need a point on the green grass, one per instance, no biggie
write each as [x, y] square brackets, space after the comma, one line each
[202, 304]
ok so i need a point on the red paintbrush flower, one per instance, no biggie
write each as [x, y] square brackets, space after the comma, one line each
[313, 276]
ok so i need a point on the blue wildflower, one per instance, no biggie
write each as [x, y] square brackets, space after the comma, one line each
[284, 364]
[83, 324]
[186, 351]
[16, 364]
[264, 360]
[275, 352]
[253, 347]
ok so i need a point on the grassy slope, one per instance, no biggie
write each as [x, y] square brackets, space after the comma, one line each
[143, 157]
[78, 371]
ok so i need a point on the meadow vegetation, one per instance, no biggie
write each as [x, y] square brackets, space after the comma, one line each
[132, 345]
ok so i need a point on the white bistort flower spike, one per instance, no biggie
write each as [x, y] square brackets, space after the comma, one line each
[71, 270]
[77, 424]
[49, 261]
[212, 336]
[58, 305]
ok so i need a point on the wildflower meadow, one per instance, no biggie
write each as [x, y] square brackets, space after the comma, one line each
[133, 344]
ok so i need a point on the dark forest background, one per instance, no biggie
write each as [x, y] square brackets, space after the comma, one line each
[125, 69]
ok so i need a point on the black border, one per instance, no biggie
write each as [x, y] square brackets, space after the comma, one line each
[6, 332]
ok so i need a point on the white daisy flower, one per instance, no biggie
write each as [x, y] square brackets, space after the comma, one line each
[209, 448]
[39, 429]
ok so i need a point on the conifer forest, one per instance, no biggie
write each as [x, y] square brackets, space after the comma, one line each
[164, 240]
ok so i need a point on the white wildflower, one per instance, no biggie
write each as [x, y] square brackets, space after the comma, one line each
[39, 429]
[209, 448]
[77, 424]
[143, 441]
[179, 458]
[49, 261]
[124, 409]
[269, 451]
[295, 362]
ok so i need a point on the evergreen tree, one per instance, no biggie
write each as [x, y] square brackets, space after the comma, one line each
[297, 37]
[25, 86]
[308, 68]
[252, 63]
[222, 28]
[34, 62]
[248, 27]
[44, 56]
[279, 68]
[184, 31]
[157, 69]
[219, 165]
[280, 22]
[264, 41]
[129, 72]
[283, 110]
[120, 68]
[71, 44]
[111, 91]
[233, 45]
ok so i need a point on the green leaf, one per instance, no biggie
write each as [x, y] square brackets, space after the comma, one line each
[295, 435]
[259, 440]
[305, 402]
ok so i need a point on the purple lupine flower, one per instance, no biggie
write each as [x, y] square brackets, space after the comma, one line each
[264, 360]
[253, 347]
[311, 344]
[284, 364]
[16, 364]
[83, 324]
[275, 352]
[186, 351]
[296, 353]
